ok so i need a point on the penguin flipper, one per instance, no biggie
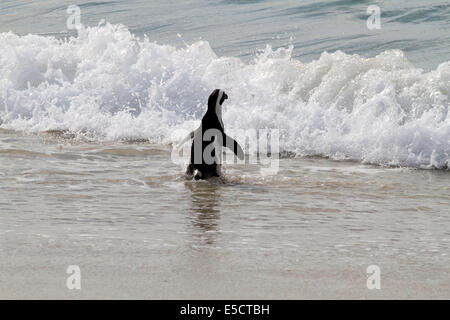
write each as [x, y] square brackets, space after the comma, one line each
[232, 144]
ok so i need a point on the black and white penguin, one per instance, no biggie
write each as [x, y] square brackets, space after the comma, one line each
[210, 137]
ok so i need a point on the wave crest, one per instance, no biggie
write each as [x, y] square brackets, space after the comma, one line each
[108, 84]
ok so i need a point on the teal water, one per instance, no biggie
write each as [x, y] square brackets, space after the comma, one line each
[239, 28]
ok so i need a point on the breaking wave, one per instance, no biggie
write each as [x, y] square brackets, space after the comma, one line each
[108, 84]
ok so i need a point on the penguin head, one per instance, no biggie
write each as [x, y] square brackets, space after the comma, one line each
[216, 98]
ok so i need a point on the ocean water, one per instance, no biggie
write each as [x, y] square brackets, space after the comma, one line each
[87, 122]
[142, 77]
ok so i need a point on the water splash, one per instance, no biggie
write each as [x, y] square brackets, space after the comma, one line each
[108, 84]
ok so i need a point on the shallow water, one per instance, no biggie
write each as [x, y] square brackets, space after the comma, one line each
[136, 227]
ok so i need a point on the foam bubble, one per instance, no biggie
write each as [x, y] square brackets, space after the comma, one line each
[108, 84]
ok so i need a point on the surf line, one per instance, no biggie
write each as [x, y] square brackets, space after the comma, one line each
[192, 310]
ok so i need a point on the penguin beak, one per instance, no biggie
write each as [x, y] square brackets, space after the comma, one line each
[224, 97]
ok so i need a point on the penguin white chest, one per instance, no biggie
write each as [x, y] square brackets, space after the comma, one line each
[219, 108]
[219, 114]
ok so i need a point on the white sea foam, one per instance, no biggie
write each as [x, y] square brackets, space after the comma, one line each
[108, 84]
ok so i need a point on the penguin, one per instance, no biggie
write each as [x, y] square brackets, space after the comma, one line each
[208, 140]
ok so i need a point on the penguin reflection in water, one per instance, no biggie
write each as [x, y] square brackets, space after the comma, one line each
[208, 140]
